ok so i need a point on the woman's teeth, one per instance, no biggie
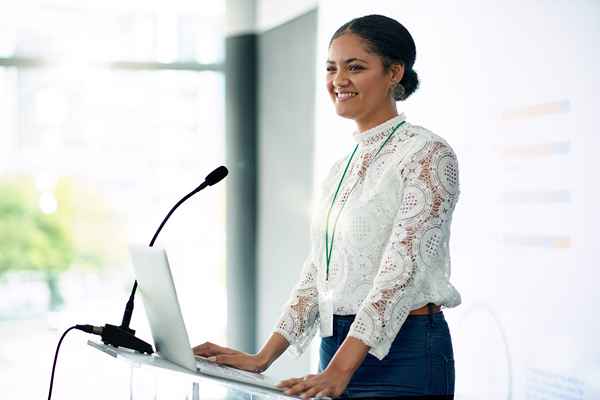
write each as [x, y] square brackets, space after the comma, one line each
[345, 96]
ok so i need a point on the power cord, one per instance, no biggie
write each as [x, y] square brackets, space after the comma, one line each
[85, 328]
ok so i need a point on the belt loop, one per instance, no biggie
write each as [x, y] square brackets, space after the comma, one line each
[430, 313]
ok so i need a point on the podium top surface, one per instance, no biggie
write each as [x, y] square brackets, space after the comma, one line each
[226, 376]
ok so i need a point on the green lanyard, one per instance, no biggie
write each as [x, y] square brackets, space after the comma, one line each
[328, 243]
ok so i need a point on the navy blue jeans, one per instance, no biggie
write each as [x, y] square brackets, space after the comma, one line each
[420, 361]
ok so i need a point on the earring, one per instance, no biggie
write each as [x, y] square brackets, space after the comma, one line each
[399, 92]
[393, 88]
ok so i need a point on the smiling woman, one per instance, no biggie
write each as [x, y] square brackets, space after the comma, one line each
[357, 84]
[385, 275]
[378, 270]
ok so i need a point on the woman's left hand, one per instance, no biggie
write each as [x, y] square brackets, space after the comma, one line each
[332, 382]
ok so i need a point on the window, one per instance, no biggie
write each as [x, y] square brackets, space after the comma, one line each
[109, 114]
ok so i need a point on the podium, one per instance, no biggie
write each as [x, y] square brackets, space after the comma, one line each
[229, 388]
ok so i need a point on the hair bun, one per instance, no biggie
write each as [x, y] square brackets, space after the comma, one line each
[408, 84]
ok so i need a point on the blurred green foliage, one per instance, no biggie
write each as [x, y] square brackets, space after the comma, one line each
[29, 238]
[80, 232]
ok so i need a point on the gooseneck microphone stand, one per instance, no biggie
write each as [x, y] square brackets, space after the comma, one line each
[123, 335]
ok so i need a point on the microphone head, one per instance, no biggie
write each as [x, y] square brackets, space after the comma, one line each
[215, 176]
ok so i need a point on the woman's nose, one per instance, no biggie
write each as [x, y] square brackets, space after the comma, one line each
[340, 81]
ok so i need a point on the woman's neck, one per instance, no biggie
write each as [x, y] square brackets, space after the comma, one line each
[373, 120]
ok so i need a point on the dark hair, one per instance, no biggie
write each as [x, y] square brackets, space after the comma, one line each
[390, 40]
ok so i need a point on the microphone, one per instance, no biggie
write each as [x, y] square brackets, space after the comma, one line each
[216, 176]
[123, 336]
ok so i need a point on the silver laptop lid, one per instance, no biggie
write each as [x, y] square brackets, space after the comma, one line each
[155, 284]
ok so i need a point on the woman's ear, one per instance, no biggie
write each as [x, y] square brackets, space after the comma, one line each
[397, 72]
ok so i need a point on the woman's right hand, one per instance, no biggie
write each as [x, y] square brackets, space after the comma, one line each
[231, 357]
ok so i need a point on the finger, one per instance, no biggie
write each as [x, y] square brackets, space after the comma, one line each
[205, 349]
[324, 393]
[289, 382]
[297, 388]
[200, 352]
[234, 361]
[226, 360]
[310, 392]
[286, 385]
[200, 347]
[224, 350]
[208, 349]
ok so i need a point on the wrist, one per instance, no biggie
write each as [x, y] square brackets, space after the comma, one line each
[349, 356]
[340, 367]
[271, 350]
[263, 361]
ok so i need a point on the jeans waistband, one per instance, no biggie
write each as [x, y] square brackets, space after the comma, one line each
[346, 320]
[344, 317]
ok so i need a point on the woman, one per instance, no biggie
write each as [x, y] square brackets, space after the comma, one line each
[379, 266]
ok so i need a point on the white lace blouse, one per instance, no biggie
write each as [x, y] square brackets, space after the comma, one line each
[390, 251]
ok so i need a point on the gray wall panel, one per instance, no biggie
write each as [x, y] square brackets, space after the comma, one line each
[286, 71]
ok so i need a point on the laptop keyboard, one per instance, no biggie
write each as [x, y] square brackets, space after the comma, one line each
[224, 371]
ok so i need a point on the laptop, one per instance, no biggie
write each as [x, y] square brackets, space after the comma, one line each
[171, 341]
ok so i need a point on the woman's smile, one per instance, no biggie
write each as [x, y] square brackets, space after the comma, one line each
[345, 96]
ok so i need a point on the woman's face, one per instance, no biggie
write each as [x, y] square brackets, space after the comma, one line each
[356, 81]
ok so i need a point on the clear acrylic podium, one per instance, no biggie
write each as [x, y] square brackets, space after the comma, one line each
[148, 370]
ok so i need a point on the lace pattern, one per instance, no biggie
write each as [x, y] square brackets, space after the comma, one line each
[298, 322]
[416, 245]
[391, 250]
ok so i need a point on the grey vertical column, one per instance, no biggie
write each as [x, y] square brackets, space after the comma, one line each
[286, 126]
[241, 148]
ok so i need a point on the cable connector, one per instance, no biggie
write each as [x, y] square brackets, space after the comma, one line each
[96, 330]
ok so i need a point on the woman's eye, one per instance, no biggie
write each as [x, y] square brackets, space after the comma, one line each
[330, 69]
[355, 67]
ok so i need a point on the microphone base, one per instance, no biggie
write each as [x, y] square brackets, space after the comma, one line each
[124, 337]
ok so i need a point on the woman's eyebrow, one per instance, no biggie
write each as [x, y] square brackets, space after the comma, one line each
[348, 61]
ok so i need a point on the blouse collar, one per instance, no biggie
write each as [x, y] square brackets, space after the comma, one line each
[378, 133]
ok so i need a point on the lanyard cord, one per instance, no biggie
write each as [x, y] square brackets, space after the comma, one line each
[329, 244]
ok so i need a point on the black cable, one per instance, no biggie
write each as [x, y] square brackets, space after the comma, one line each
[85, 328]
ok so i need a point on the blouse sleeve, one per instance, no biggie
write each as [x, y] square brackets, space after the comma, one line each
[300, 317]
[298, 322]
[418, 242]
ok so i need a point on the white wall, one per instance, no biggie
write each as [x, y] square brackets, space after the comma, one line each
[240, 17]
[271, 13]
[247, 16]
[512, 86]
